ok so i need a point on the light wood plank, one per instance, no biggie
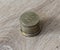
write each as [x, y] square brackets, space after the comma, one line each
[10, 35]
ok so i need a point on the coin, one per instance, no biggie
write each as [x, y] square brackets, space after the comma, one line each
[30, 23]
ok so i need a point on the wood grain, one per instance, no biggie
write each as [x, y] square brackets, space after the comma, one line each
[10, 35]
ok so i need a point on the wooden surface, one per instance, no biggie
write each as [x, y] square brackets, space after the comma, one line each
[10, 35]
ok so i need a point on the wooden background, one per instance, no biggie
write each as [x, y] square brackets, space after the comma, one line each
[10, 35]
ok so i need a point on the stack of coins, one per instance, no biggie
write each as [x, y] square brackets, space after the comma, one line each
[30, 24]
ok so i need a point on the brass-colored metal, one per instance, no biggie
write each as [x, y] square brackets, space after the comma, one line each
[30, 23]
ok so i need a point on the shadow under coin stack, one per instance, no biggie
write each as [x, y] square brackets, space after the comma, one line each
[30, 24]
